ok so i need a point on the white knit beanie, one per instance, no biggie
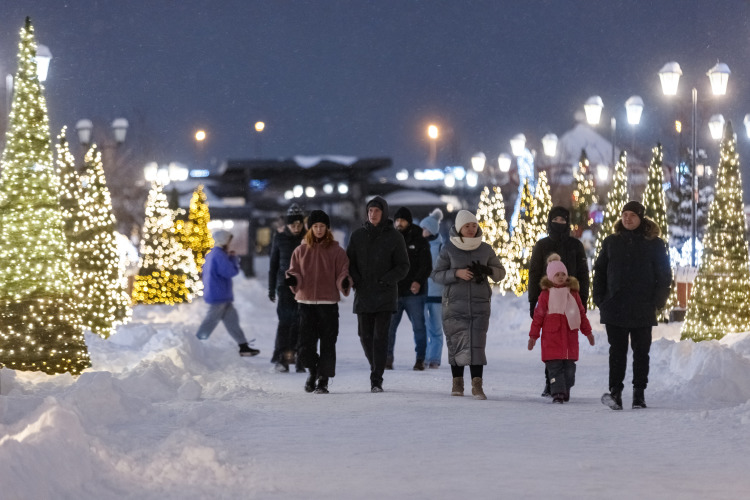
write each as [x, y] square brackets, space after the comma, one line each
[464, 217]
[221, 237]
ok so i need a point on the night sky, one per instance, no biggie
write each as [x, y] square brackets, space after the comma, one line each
[364, 78]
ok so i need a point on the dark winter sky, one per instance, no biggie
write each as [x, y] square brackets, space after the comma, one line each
[365, 77]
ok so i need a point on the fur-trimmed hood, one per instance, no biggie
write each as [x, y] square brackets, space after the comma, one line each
[571, 283]
[648, 227]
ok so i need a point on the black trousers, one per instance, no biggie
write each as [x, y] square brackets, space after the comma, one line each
[562, 375]
[640, 341]
[318, 322]
[373, 334]
[287, 332]
[474, 371]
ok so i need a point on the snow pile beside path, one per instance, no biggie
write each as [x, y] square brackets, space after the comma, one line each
[705, 372]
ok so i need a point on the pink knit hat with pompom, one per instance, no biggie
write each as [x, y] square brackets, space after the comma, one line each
[554, 267]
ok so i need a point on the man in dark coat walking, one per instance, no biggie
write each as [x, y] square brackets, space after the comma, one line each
[632, 280]
[287, 309]
[377, 262]
[572, 254]
[412, 290]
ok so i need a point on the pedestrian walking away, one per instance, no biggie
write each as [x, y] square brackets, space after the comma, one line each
[558, 316]
[287, 310]
[412, 289]
[572, 254]
[632, 280]
[377, 262]
[318, 273]
[463, 268]
[220, 267]
[433, 309]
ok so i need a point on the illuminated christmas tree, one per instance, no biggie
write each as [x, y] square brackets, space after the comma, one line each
[168, 273]
[40, 327]
[584, 195]
[100, 286]
[197, 236]
[521, 243]
[71, 193]
[542, 206]
[720, 300]
[655, 202]
[491, 217]
[617, 197]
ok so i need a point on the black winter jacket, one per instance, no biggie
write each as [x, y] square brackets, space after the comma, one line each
[571, 253]
[283, 245]
[377, 262]
[420, 261]
[632, 276]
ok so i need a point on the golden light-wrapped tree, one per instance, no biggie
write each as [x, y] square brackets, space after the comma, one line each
[521, 243]
[720, 300]
[196, 236]
[40, 326]
[584, 195]
[168, 274]
[491, 218]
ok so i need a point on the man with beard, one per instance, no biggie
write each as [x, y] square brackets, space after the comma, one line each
[377, 262]
[412, 290]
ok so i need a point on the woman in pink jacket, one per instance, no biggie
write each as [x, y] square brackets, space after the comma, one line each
[559, 314]
[318, 271]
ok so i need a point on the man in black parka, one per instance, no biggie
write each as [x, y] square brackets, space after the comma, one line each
[287, 310]
[412, 290]
[377, 262]
[571, 253]
[632, 280]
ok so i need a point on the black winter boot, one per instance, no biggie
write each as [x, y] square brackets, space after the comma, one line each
[322, 387]
[639, 400]
[613, 399]
[310, 383]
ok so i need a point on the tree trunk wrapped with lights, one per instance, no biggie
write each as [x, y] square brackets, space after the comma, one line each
[491, 218]
[521, 243]
[100, 286]
[720, 300]
[168, 273]
[616, 199]
[584, 196]
[40, 326]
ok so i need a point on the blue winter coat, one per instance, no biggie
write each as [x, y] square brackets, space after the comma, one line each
[218, 271]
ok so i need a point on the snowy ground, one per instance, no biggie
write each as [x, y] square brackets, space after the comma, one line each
[163, 415]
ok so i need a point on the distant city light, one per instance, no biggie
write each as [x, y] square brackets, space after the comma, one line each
[200, 135]
[343, 188]
[402, 175]
[259, 126]
[288, 194]
[298, 191]
[432, 132]
[430, 174]
[199, 172]
[310, 192]
[328, 188]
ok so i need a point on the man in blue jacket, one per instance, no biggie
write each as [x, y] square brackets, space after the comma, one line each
[218, 270]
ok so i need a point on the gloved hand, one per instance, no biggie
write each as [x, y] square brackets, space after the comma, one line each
[532, 342]
[476, 269]
[345, 283]
[272, 294]
[290, 280]
[486, 270]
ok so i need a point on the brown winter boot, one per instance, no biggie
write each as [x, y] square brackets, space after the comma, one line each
[476, 388]
[458, 386]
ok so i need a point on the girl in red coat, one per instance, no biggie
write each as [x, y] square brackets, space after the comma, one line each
[559, 314]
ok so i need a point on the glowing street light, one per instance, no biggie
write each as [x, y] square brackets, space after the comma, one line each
[259, 126]
[634, 109]
[518, 144]
[503, 162]
[200, 135]
[478, 161]
[593, 109]
[747, 125]
[716, 126]
[549, 144]
[432, 133]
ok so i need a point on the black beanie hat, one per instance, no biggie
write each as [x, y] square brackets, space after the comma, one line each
[403, 213]
[319, 216]
[376, 202]
[558, 211]
[294, 214]
[636, 208]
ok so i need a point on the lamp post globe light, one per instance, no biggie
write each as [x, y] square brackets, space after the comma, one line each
[716, 126]
[478, 161]
[85, 130]
[633, 109]
[669, 75]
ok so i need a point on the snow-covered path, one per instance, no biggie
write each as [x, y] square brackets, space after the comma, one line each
[163, 415]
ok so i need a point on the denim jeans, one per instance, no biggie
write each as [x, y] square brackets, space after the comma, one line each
[226, 313]
[434, 323]
[414, 307]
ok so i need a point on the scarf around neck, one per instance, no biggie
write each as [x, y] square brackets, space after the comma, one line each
[467, 244]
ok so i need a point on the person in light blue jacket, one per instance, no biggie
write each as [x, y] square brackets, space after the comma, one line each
[433, 308]
[220, 267]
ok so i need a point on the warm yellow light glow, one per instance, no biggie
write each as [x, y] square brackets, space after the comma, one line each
[678, 126]
[200, 135]
[432, 132]
[259, 126]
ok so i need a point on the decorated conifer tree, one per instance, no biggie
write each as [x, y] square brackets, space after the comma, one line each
[542, 206]
[71, 193]
[100, 286]
[584, 196]
[197, 236]
[678, 196]
[521, 243]
[40, 327]
[617, 197]
[168, 274]
[720, 300]
[491, 217]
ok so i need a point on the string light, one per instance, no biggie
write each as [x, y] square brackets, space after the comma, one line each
[720, 299]
[491, 218]
[521, 243]
[194, 234]
[40, 326]
[168, 274]
[584, 196]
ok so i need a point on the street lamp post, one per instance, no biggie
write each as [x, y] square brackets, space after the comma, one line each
[669, 75]
[633, 107]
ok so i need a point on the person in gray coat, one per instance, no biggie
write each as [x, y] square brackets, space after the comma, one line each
[464, 264]
[378, 260]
